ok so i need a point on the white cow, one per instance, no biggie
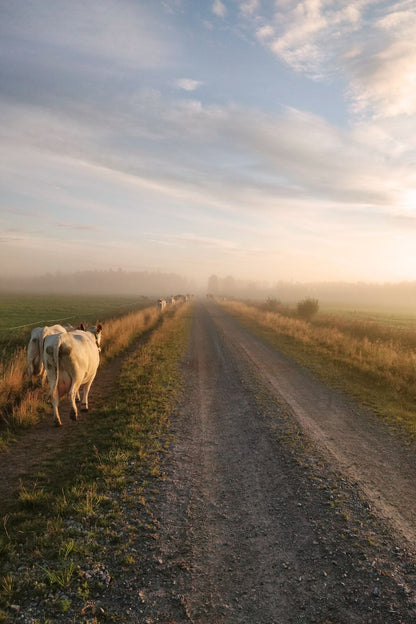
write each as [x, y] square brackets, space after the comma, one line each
[71, 361]
[161, 304]
[35, 348]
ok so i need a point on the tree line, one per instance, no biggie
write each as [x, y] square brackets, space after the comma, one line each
[111, 282]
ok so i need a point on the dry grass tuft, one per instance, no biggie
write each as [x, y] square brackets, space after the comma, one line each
[118, 333]
[13, 382]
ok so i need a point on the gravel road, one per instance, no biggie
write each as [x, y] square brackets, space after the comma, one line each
[258, 523]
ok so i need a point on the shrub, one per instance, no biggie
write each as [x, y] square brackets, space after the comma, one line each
[272, 305]
[308, 308]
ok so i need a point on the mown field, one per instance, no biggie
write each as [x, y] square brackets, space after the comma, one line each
[372, 357]
[63, 534]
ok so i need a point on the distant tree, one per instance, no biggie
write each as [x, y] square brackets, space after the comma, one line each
[213, 285]
[307, 308]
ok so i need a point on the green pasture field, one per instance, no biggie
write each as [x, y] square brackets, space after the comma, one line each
[19, 314]
[405, 319]
[376, 325]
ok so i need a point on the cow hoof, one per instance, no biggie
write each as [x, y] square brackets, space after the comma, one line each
[57, 423]
[84, 409]
[73, 415]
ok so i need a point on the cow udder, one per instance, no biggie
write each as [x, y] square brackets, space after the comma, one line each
[64, 385]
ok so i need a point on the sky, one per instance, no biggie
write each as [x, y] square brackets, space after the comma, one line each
[265, 139]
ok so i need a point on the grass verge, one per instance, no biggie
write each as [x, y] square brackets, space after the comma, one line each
[379, 372]
[64, 535]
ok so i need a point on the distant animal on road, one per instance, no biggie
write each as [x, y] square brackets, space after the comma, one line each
[161, 304]
[71, 362]
[35, 348]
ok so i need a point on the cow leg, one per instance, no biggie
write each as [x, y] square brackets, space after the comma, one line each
[51, 376]
[56, 417]
[85, 393]
[73, 394]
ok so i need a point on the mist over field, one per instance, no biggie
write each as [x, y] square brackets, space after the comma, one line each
[386, 297]
[349, 295]
[138, 283]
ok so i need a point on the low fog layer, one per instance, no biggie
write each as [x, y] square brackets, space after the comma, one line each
[387, 296]
[144, 283]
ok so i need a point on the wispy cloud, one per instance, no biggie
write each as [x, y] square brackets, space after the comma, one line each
[248, 7]
[382, 69]
[206, 241]
[188, 84]
[305, 35]
[229, 156]
[78, 226]
[219, 9]
[371, 44]
[122, 33]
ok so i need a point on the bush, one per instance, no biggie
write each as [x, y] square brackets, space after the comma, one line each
[308, 308]
[272, 305]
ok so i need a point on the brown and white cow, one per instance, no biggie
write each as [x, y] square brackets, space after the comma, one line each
[35, 348]
[71, 361]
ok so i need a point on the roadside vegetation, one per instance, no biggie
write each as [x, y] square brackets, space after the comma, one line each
[64, 537]
[23, 402]
[375, 362]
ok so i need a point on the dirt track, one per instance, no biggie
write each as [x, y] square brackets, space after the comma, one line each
[266, 513]
[356, 441]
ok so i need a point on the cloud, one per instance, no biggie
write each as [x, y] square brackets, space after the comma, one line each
[188, 84]
[6, 240]
[248, 7]
[383, 71]
[78, 226]
[232, 158]
[306, 34]
[206, 241]
[120, 33]
[371, 45]
[219, 9]
[265, 33]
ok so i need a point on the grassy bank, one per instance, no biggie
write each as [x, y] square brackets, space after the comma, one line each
[373, 362]
[65, 535]
[22, 404]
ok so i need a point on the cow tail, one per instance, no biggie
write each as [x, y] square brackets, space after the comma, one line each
[56, 361]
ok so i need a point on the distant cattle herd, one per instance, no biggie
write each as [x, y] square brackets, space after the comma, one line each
[69, 357]
[173, 300]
